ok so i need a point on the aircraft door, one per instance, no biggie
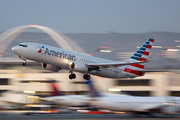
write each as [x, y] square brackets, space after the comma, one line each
[39, 51]
[35, 50]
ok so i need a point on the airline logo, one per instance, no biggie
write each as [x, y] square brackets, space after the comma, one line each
[41, 49]
[57, 54]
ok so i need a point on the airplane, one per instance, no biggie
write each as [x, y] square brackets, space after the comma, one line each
[55, 59]
[133, 104]
[59, 97]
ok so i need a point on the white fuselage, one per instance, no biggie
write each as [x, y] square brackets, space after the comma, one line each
[62, 58]
[132, 103]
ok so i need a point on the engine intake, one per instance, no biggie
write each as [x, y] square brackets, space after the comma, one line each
[78, 67]
[50, 67]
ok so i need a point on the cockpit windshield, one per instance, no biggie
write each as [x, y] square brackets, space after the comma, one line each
[22, 45]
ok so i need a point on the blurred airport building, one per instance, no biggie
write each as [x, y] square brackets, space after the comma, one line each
[35, 82]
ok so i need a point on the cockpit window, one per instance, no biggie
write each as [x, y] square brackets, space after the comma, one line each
[22, 45]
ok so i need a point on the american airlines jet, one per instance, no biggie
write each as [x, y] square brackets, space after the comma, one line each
[55, 59]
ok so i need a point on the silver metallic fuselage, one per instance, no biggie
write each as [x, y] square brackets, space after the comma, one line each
[62, 58]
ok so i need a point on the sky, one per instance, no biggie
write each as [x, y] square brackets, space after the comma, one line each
[93, 16]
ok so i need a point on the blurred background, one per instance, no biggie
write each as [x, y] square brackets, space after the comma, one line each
[32, 80]
[112, 30]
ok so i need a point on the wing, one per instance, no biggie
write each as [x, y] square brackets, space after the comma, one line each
[154, 70]
[118, 64]
[112, 65]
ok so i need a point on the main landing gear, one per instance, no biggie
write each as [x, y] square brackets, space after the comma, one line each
[23, 58]
[86, 76]
[73, 76]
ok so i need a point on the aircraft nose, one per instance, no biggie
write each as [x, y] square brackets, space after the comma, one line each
[15, 49]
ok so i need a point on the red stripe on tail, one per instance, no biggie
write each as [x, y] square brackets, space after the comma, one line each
[138, 66]
[142, 59]
[146, 53]
[149, 46]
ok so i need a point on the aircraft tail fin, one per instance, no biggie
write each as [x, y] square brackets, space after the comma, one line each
[144, 55]
[92, 90]
[55, 91]
[143, 52]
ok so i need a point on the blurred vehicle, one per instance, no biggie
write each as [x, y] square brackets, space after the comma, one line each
[55, 59]
[69, 100]
[137, 105]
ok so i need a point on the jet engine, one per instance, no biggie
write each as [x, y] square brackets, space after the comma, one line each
[50, 67]
[78, 67]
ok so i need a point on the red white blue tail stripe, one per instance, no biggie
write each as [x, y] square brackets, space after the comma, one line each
[142, 54]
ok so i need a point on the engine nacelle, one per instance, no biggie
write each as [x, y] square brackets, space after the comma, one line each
[50, 67]
[78, 67]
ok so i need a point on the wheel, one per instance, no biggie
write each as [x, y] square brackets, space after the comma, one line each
[73, 76]
[85, 76]
[88, 77]
[24, 64]
[70, 76]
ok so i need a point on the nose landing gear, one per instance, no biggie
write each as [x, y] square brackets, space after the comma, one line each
[24, 63]
[23, 58]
